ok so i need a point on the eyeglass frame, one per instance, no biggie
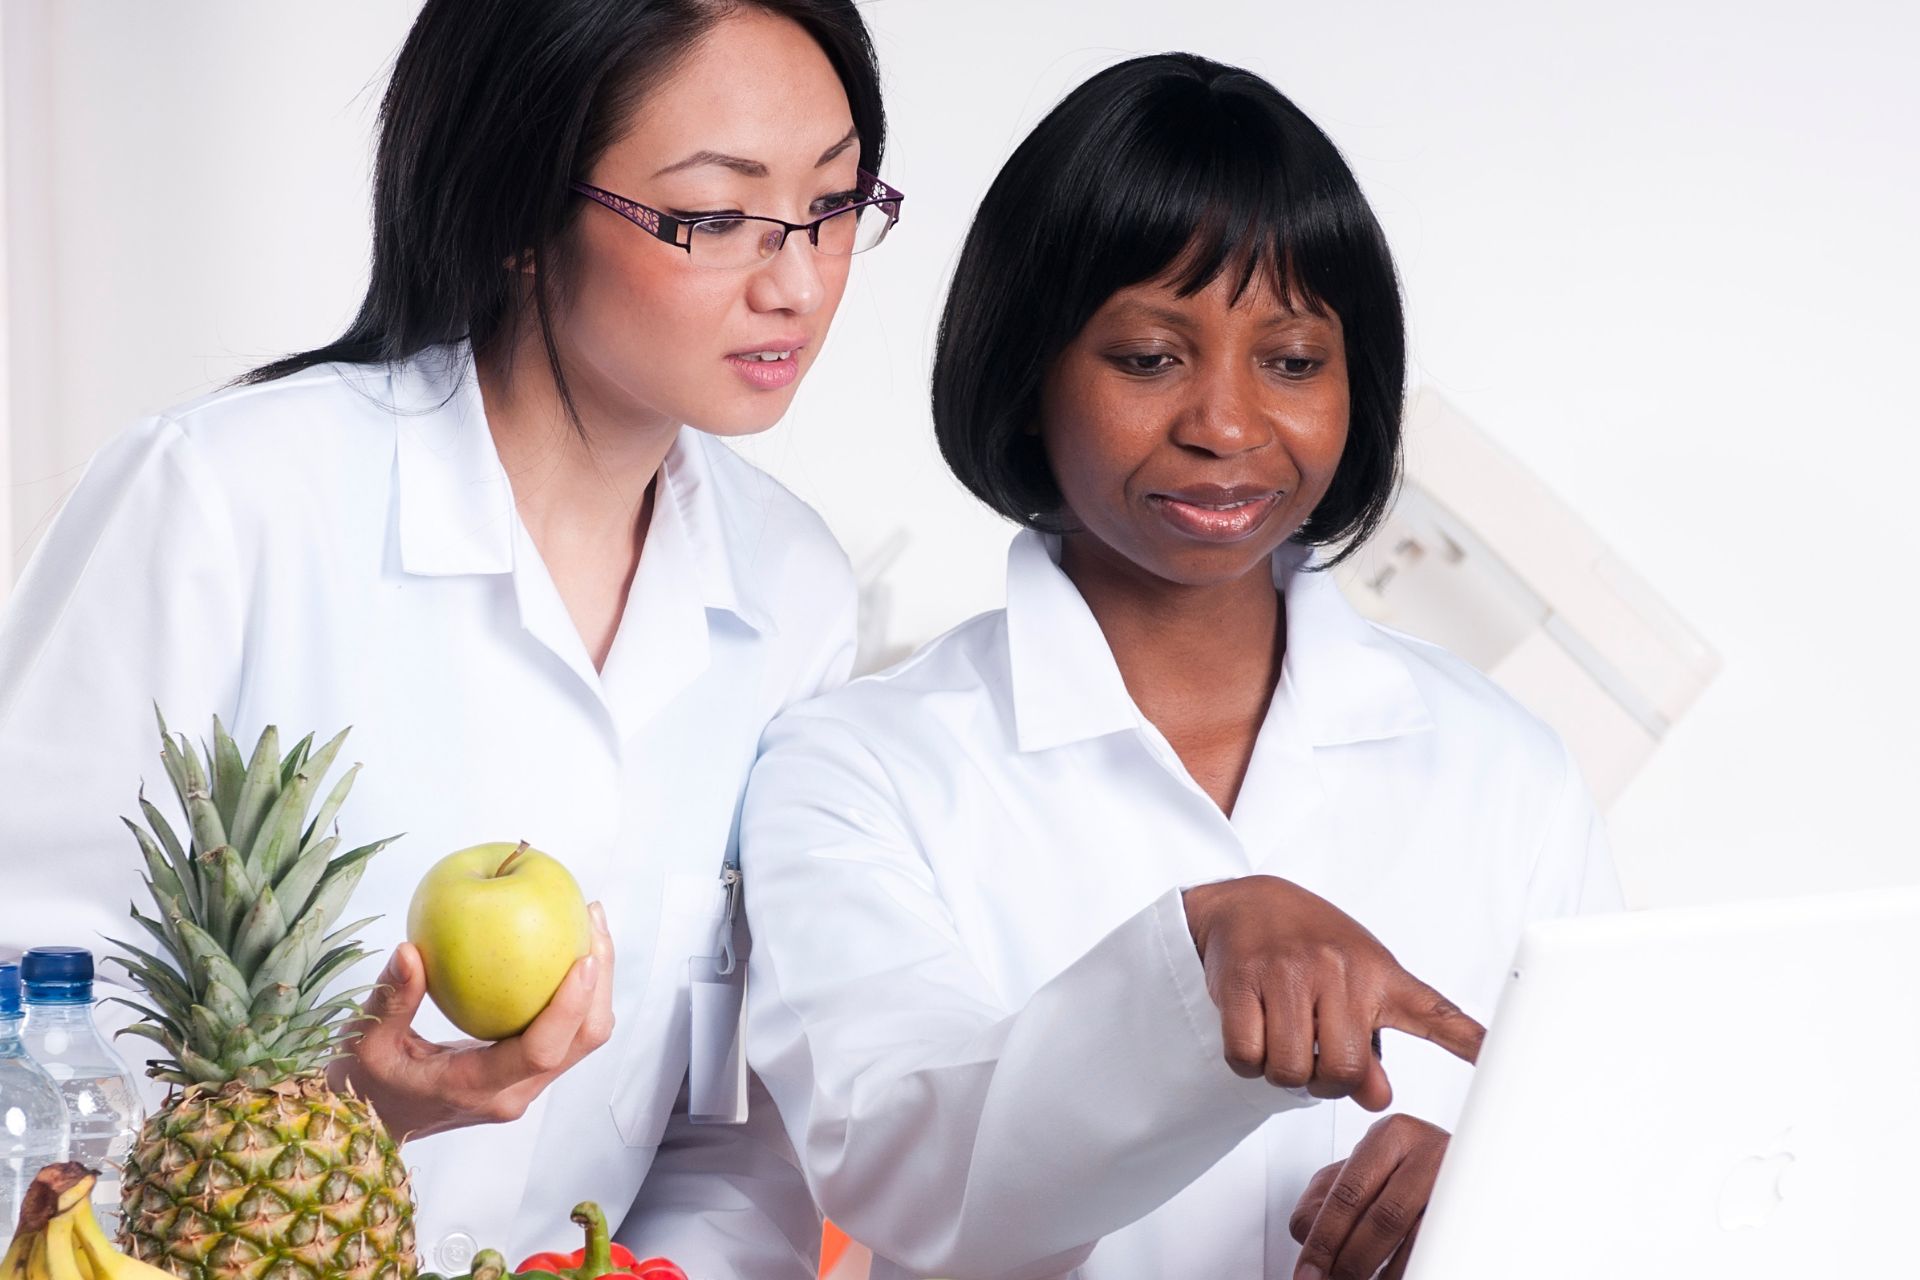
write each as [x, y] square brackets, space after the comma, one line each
[666, 228]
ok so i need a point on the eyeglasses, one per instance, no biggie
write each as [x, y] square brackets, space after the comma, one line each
[733, 240]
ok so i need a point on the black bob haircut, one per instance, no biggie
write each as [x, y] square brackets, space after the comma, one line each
[1169, 166]
[493, 109]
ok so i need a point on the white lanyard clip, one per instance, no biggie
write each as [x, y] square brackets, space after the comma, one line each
[730, 881]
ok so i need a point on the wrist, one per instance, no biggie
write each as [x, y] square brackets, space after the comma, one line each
[1199, 901]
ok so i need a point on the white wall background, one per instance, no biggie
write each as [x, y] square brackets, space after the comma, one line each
[1665, 252]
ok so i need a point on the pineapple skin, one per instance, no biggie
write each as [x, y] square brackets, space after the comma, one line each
[290, 1181]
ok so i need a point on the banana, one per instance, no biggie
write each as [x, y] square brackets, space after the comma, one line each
[60, 1239]
[107, 1262]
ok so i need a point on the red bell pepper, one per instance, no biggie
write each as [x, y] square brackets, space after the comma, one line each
[600, 1258]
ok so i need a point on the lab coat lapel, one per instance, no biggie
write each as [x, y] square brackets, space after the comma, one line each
[1065, 685]
[1340, 686]
[456, 511]
[696, 556]
[662, 646]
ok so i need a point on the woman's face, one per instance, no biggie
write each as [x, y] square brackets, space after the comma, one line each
[754, 121]
[1192, 436]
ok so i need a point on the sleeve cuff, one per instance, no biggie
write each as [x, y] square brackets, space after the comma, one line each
[1181, 957]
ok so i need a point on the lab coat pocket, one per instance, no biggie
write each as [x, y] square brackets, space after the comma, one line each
[653, 1050]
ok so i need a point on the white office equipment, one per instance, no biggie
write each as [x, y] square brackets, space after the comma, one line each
[1711, 1092]
[1479, 557]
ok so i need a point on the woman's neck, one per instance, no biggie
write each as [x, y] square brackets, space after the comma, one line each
[584, 489]
[572, 478]
[1201, 663]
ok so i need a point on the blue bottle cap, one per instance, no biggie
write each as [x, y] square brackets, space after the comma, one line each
[57, 975]
[9, 990]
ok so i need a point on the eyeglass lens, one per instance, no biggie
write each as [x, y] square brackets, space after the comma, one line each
[740, 242]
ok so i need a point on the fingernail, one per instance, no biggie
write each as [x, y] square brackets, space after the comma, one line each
[599, 914]
[1309, 1272]
[591, 970]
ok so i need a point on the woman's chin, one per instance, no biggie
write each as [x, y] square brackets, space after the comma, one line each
[741, 415]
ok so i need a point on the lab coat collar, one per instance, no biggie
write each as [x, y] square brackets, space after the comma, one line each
[720, 535]
[1346, 680]
[456, 503]
[456, 506]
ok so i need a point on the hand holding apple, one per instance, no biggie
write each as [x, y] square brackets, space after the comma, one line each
[498, 926]
[421, 1088]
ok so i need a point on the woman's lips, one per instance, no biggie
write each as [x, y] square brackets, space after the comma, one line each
[1215, 515]
[768, 368]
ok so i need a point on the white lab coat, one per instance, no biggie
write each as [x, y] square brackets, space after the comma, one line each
[973, 991]
[341, 547]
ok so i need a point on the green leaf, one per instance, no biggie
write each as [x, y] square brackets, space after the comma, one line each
[321, 762]
[278, 838]
[205, 1032]
[229, 772]
[297, 883]
[160, 872]
[183, 865]
[329, 967]
[196, 1069]
[165, 988]
[295, 760]
[343, 936]
[260, 928]
[204, 821]
[232, 892]
[257, 794]
[223, 989]
[277, 1000]
[330, 809]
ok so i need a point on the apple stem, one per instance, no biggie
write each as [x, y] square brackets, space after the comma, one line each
[511, 859]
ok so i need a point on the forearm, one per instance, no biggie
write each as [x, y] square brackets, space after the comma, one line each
[1009, 1148]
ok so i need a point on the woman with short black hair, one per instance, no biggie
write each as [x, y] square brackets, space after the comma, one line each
[493, 527]
[1053, 950]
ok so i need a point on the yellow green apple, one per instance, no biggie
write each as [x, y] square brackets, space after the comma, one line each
[498, 926]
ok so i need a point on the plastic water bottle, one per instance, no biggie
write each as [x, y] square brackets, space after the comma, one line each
[33, 1115]
[103, 1099]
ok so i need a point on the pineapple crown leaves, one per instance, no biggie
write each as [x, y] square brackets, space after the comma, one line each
[244, 949]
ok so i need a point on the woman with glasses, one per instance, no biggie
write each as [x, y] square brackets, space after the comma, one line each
[493, 528]
[1055, 940]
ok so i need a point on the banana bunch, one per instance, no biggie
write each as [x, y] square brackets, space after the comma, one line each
[60, 1239]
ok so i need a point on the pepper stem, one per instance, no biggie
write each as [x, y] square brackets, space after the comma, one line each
[511, 859]
[599, 1258]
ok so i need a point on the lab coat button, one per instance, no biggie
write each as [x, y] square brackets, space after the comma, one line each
[454, 1253]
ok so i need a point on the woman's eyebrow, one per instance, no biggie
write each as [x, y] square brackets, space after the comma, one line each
[826, 157]
[753, 168]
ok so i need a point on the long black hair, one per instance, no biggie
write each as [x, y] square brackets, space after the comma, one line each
[1166, 163]
[494, 107]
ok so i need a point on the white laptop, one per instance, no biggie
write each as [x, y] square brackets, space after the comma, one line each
[1713, 1092]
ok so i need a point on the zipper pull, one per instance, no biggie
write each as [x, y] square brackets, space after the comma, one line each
[730, 881]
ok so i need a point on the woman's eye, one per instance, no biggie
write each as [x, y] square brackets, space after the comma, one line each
[1145, 362]
[834, 203]
[714, 227]
[1295, 366]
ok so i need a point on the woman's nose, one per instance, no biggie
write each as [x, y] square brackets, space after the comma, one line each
[1226, 415]
[790, 280]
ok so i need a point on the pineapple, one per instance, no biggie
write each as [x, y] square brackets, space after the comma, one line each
[255, 1169]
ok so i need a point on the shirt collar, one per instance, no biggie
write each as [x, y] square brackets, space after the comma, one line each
[456, 504]
[456, 507]
[1348, 680]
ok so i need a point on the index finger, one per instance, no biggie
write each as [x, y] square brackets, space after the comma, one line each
[1417, 1009]
[547, 1043]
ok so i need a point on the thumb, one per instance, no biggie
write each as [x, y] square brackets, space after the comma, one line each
[401, 987]
[1374, 1093]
